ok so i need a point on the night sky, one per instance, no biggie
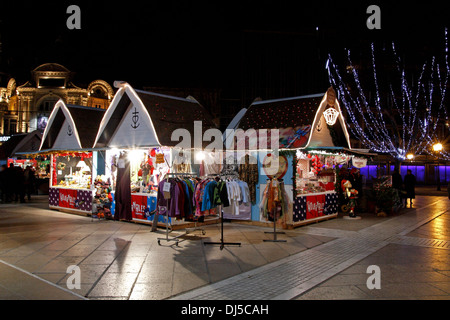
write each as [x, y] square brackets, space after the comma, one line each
[229, 45]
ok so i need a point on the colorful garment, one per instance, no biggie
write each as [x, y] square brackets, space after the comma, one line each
[208, 196]
[248, 172]
[275, 200]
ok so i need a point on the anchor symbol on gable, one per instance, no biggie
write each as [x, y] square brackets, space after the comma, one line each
[135, 119]
[69, 130]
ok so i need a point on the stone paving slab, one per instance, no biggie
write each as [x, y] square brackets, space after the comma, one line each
[19, 284]
[407, 272]
[123, 261]
[291, 277]
[120, 260]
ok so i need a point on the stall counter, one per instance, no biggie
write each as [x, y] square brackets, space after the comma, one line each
[310, 207]
[139, 203]
[78, 200]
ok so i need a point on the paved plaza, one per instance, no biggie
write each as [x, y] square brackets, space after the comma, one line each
[323, 261]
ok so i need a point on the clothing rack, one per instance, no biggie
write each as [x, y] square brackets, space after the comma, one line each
[185, 174]
[222, 243]
[166, 217]
[275, 232]
[177, 174]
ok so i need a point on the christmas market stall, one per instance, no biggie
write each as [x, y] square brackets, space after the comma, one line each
[19, 151]
[67, 141]
[15, 151]
[149, 137]
[296, 144]
[17, 147]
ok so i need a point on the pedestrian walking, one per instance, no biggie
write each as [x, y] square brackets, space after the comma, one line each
[410, 187]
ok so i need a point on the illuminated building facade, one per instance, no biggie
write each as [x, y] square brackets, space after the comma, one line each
[26, 107]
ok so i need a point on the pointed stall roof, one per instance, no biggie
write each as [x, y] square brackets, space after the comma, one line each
[71, 127]
[139, 118]
[21, 144]
[299, 119]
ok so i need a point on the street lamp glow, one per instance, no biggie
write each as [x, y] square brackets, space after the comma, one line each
[438, 147]
[410, 156]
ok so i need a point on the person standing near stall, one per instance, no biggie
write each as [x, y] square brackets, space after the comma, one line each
[410, 187]
[356, 181]
[29, 181]
[14, 183]
[397, 184]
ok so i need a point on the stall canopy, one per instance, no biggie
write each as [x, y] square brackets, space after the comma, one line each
[138, 118]
[21, 144]
[71, 127]
[303, 122]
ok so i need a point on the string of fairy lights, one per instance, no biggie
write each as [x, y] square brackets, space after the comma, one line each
[420, 105]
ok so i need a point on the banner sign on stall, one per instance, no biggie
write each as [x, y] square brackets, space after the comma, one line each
[312, 206]
[359, 162]
[138, 206]
[67, 198]
[142, 207]
[159, 158]
[70, 199]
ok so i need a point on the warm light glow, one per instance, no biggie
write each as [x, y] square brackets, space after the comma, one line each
[331, 115]
[438, 147]
[135, 155]
[410, 156]
[200, 156]
[81, 164]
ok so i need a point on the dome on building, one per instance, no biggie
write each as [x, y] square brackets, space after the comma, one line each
[51, 67]
[51, 75]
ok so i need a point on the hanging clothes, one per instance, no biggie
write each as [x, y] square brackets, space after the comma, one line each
[245, 192]
[212, 164]
[187, 203]
[234, 193]
[248, 172]
[239, 200]
[221, 194]
[172, 205]
[123, 189]
[275, 201]
[198, 197]
[195, 197]
[181, 162]
[208, 196]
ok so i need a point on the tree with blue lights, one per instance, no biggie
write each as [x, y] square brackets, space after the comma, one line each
[389, 110]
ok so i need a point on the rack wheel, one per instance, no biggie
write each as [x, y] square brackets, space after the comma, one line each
[203, 232]
[159, 242]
